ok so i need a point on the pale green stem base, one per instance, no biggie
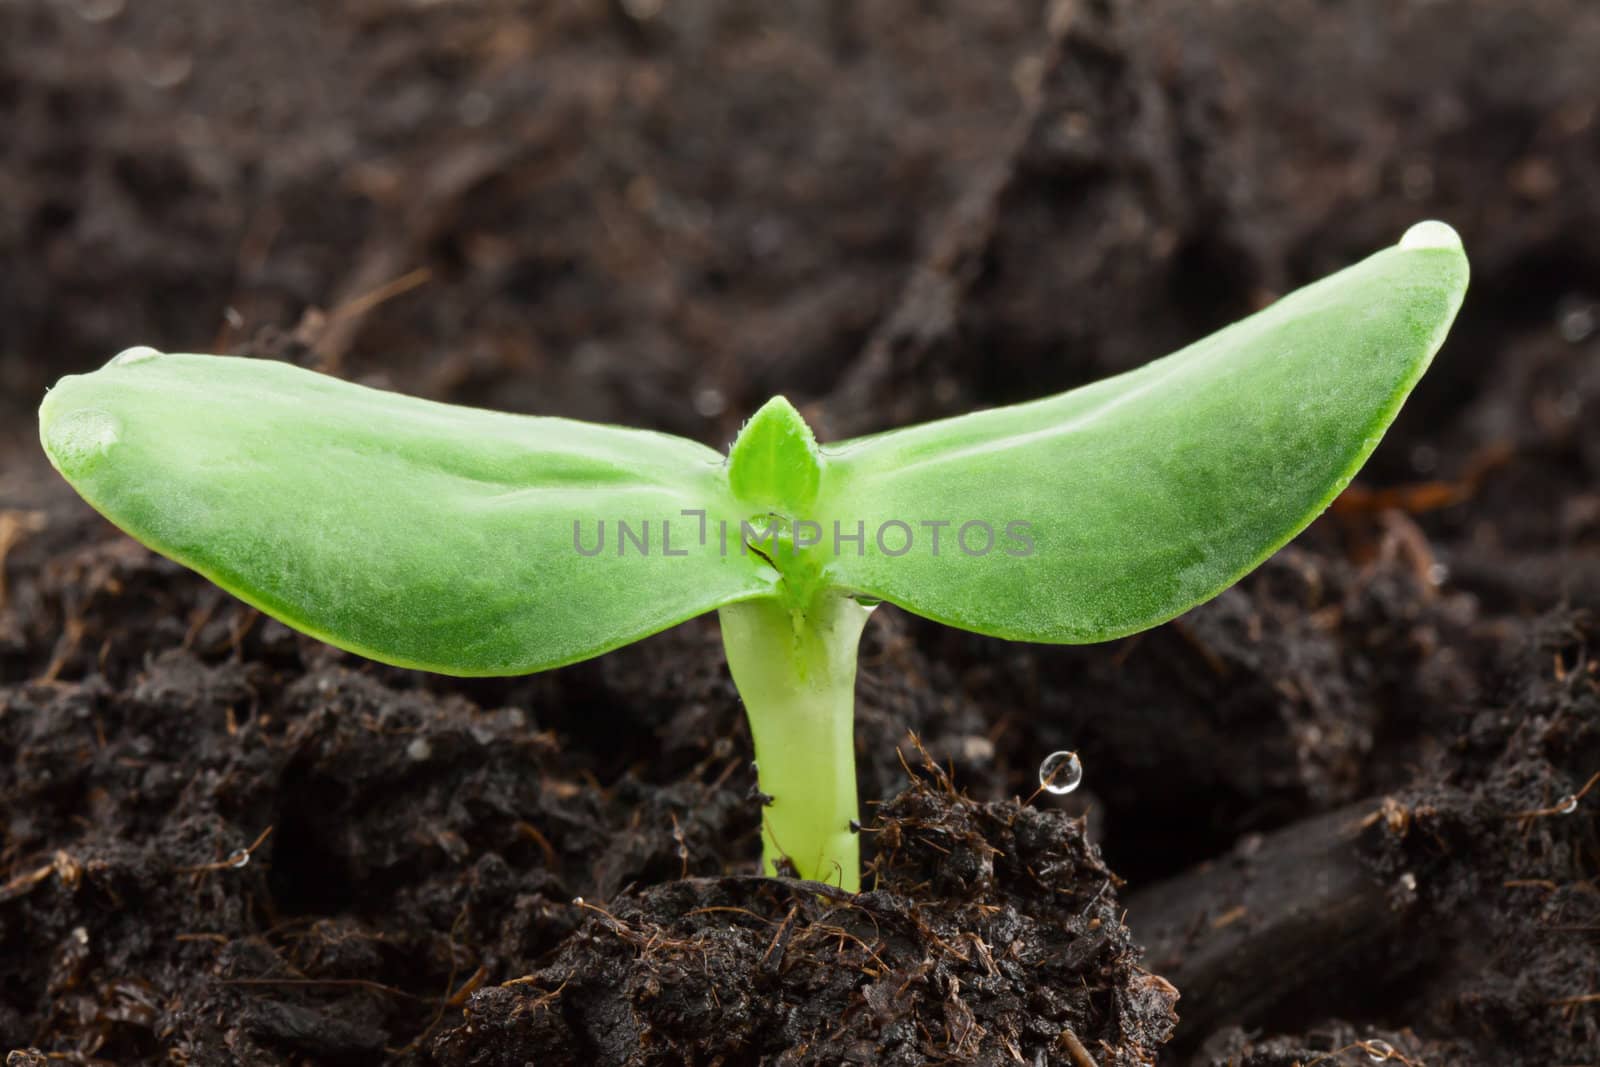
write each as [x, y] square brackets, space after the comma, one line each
[797, 673]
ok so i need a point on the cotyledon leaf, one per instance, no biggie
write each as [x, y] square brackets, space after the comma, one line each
[411, 532]
[1145, 494]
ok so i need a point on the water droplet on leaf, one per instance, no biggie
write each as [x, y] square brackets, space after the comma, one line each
[78, 439]
[1060, 773]
[1430, 234]
[137, 354]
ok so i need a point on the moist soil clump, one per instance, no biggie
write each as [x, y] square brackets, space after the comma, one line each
[990, 933]
[1350, 805]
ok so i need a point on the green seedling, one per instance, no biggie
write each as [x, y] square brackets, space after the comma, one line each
[474, 543]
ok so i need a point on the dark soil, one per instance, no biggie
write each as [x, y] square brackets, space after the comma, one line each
[1335, 798]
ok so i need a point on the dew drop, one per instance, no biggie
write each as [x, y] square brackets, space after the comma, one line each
[1430, 234]
[1568, 805]
[1378, 1051]
[1060, 773]
[78, 439]
[137, 354]
[239, 857]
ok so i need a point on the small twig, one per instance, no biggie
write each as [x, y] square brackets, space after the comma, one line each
[1075, 1049]
[1565, 806]
[239, 857]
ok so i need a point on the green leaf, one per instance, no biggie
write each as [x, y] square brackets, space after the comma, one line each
[411, 532]
[1150, 492]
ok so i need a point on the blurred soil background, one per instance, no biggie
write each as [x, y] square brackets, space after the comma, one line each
[1350, 805]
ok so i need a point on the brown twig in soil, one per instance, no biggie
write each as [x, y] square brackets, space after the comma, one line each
[450, 999]
[69, 870]
[683, 846]
[239, 857]
[66, 645]
[1421, 497]
[24, 882]
[711, 909]
[14, 525]
[370, 299]
[531, 832]
[1378, 1051]
[1569, 1005]
[1565, 806]
[779, 942]
[1080, 1055]
[1529, 883]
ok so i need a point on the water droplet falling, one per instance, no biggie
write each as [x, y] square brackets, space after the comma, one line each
[1060, 773]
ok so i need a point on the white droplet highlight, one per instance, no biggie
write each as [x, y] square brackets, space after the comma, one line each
[239, 857]
[99, 10]
[1378, 1051]
[137, 354]
[1060, 773]
[1431, 234]
[1567, 805]
[78, 439]
[419, 750]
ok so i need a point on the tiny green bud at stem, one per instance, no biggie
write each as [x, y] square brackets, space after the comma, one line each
[774, 464]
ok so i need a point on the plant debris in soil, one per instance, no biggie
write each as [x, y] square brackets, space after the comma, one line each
[1336, 797]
